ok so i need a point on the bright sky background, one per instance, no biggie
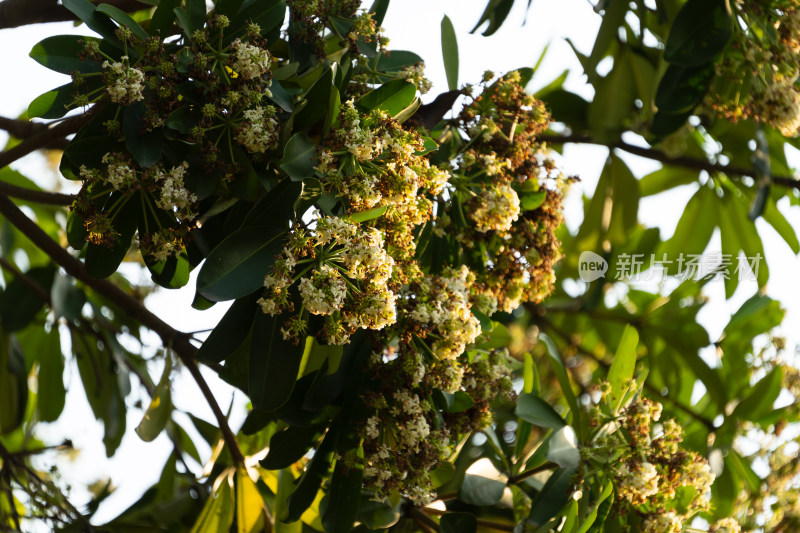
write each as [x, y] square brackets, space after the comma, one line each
[411, 25]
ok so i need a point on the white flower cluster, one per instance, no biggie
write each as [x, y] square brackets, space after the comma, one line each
[344, 251]
[780, 106]
[668, 522]
[258, 132]
[174, 195]
[496, 210]
[416, 75]
[443, 308]
[118, 173]
[416, 429]
[638, 483]
[249, 61]
[125, 83]
[725, 525]
[324, 291]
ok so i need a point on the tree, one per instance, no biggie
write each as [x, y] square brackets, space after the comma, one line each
[410, 320]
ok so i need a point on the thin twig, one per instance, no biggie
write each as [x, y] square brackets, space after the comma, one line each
[513, 480]
[178, 341]
[679, 161]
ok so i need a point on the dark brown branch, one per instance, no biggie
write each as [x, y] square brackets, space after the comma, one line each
[42, 138]
[172, 338]
[522, 476]
[15, 13]
[679, 161]
[22, 129]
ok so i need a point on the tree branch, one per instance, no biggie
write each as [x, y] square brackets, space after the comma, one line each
[172, 338]
[22, 129]
[42, 138]
[680, 161]
[15, 13]
[490, 524]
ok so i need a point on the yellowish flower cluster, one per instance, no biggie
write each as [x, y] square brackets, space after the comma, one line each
[348, 270]
[173, 194]
[496, 209]
[440, 308]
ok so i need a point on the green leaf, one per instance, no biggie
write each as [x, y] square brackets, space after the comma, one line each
[613, 102]
[13, 387]
[479, 490]
[308, 486]
[19, 303]
[775, 218]
[344, 496]
[761, 397]
[145, 147]
[554, 496]
[624, 362]
[315, 355]
[495, 13]
[397, 60]
[369, 214]
[285, 486]
[123, 19]
[701, 31]
[458, 523]
[563, 448]
[613, 18]
[231, 330]
[682, 88]
[87, 12]
[237, 266]
[317, 100]
[391, 97]
[666, 178]
[299, 157]
[529, 201]
[60, 53]
[274, 363]
[595, 513]
[102, 261]
[450, 53]
[52, 104]
[217, 513]
[695, 226]
[533, 409]
[289, 446]
[160, 409]
[50, 383]
[250, 511]
[163, 17]
[67, 299]
[277, 207]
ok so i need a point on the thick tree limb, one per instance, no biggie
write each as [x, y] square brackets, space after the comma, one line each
[43, 137]
[22, 129]
[172, 338]
[15, 13]
[680, 161]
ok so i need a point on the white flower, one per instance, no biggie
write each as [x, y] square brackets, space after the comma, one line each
[249, 61]
[324, 292]
[497, 209]
[125, 82]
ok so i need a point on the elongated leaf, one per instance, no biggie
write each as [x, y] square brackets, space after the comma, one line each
[288, 446]
[274, 363]
[163, 17]
[237, 266]
[533, 409]
[217, 513]
[123, 19]
[87, 12]
[624, 362]
[52, 394]
[450, 53]
[299, 157]
[20, 303]
[370, 214]
[775, 218]
[554, 496]
[666, 178]
[250, 514]
[231, 330]
[60, 53]
[53, 103]
[308, 486]
[700, 32]
[13, 388]
[613, 18]
[761, 396]
[158, 413]
[479, 490]
[563, 448]
[344, 497]
[391, 97]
